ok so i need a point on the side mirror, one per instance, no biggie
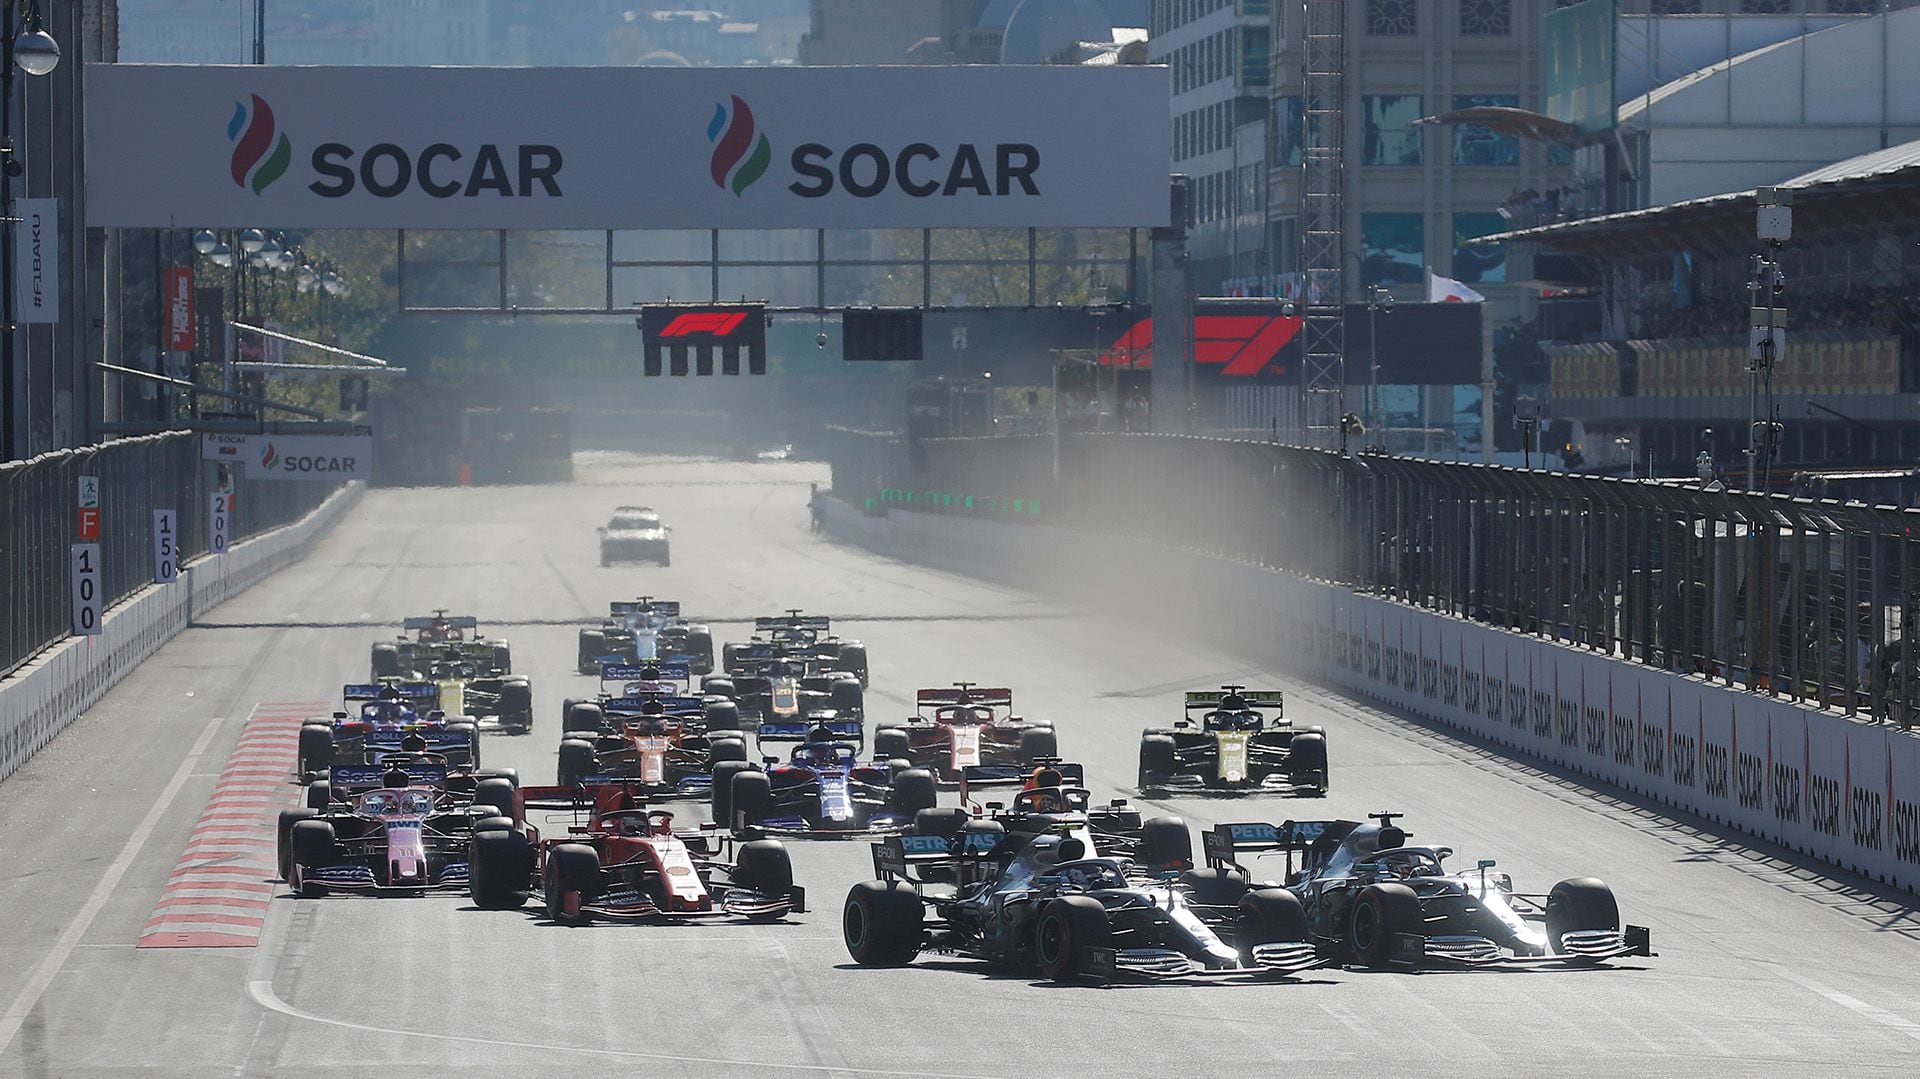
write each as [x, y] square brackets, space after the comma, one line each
[1487, 863]
[339, 715]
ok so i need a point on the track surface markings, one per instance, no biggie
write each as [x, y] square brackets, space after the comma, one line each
[217, 896]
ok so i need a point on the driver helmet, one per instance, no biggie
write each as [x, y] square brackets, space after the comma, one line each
[652, 708]
[413, 743]
[396, 777]
[389, 692]
[819, 734]
[1045, 776]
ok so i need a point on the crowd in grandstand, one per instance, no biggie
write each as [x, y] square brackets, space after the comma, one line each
[1876, 309]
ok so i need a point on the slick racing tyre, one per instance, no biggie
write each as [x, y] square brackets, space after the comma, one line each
[1582, 903]
[1156, 760]
[763, 866]
[577, 761]
[503, 657]
[889, 742]
[881, 924]
[582, 719]
[1307, 761]
[1067, 927]
[571, 882]
[284, 846]
[853, 660]
[319, 795]
[700, 643]
[723, 716]
[1379, 912]
[1165, 843]
[752, 797]
[943, 821]
[593, 645]
[1038, 742]
[847, 698]
[495, 793]
[316, 747]
[313, 847]
[1215, 887]
[516, 705]
[469, 733]
[499, 868]
[1269, 916]
[386, 661]
[717, 685]
[914, 791]
[722, 792]
[722, 749]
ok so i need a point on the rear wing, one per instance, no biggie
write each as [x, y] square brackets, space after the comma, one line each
[365, 777]
[760, 652]
[973, 695]
[797, 730]
[1001, 775]
[371, 691]
[1222, 842]
[1255, 698]
[894, 855]
[662, 608]
[452, 621]
[630, 672]
[768, 623]
[673, 706]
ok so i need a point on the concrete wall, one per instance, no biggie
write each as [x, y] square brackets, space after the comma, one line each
[43, 697]
[1840, 790]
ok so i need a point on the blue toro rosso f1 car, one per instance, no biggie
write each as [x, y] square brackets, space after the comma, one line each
[391, 717]
[822, 790]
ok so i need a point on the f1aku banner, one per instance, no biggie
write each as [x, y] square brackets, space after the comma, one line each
[627, 147]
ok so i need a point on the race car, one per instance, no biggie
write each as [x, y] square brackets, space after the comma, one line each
[388, 840]
[787, 696]
[823, 789]
[964, 726]
[501, 701]
[433, 636]
[626, 862]
[803, 637]
[388, 713]
[1043, 904]
[660, 744]
[1241, 743]
[645, 630]
[634, 534]
[345, 783]
[1374, 900]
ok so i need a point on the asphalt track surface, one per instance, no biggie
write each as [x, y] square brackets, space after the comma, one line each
[1766, 967]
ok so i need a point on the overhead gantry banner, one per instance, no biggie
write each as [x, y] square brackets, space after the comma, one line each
[626, 148]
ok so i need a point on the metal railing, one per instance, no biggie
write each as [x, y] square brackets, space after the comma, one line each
[1813, 600]
[38, 525]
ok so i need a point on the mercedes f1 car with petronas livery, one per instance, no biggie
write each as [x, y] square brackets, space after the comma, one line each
[1372, 898]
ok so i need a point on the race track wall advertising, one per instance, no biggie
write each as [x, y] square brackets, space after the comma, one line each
[627, 148]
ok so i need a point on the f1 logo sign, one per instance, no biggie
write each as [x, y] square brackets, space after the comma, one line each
[1241, 346]
[708, 323]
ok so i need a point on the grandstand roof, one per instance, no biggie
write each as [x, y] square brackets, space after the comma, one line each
[1850, 199]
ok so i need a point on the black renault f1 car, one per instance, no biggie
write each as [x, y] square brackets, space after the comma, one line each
[1373, 899]
[1043, 904]
[1241, 743]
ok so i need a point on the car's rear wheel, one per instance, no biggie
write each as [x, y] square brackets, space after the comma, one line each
[1165, 843]
[723, 715]
[1381, 912]
[386, 661]
[496, 793]
[721, 750]
[1068, 926]
[889, 742]
[316, 747]
[516, 705]
[319, 795]
[499, 868]
[1215, 887]
[1036, 742]
[882, 923]
[582, 719]
[722, 792]
[577, 761]
[593, 645]
[752, 797]
[914, 791]
[1307, 761]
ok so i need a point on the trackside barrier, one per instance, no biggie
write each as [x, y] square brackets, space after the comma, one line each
[41, 698]
[1835, 789]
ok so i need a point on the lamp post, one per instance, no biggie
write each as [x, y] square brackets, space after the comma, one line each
[24, 43]
[1378, 299]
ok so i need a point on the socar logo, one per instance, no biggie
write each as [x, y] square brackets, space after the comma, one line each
[270, 456]
[740, 153]
[260, 153]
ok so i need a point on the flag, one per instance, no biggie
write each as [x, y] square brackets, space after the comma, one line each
[1447, 290]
